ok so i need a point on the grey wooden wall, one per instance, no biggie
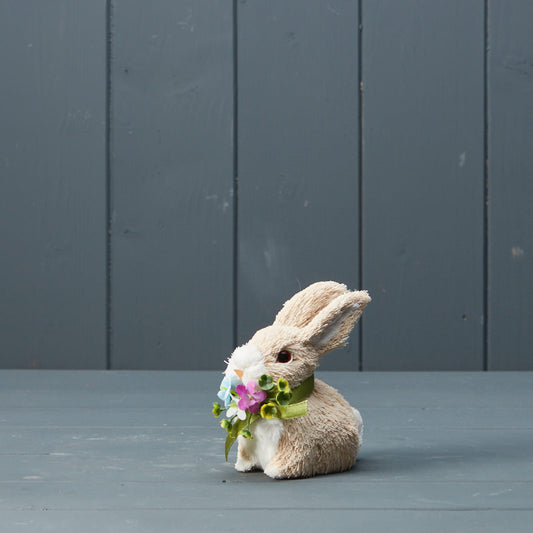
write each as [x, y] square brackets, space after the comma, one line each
[172, 171]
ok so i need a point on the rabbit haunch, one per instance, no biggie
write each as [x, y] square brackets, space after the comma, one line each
[313, 322]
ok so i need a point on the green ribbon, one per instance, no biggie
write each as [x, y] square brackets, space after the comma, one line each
[296, 407]
[303, 390]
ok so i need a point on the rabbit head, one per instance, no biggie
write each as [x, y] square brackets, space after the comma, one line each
[313, 322]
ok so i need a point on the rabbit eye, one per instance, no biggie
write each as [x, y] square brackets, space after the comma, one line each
[283, 357]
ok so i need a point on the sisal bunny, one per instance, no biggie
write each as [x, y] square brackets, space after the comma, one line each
[326, 439]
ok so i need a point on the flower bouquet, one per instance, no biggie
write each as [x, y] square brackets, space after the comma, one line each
[264, 399]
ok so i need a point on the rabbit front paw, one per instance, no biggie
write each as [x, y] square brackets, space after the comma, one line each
[244, 466]
[244, 463]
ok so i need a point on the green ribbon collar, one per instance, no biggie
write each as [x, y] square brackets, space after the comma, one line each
[303, 390]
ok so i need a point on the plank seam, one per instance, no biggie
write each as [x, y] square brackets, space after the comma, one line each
[360, 163]
[108, 208]
[235, 174]
[450, 509]
[485, 190]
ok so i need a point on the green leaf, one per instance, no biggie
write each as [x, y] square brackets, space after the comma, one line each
[266, 382]
[269, 410]
[233, 433]
[283, 385]
[230, 439]
[283, 397]
[238, 426]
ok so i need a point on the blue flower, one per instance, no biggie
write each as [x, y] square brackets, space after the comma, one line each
[228, 383]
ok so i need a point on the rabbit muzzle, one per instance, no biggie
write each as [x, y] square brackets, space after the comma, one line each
[247, 363]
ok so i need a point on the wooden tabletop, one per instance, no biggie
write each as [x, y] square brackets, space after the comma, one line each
[139, 451]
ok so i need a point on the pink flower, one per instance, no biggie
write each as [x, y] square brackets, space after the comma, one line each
[251, 396]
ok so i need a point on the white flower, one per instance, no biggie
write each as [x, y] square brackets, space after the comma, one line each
[232, 411]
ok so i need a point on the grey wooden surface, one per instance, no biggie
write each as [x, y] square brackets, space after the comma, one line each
[510, 97]
[171, 172]
[140, 451]
[52, 184]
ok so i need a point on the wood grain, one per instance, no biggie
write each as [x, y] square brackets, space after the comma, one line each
[141, 449]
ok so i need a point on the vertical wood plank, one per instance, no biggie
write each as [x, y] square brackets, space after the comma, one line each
[510, 170]
[298, 156]
[423, 152]
[52, 185]
[172, 177]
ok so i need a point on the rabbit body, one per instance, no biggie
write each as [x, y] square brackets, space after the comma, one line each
[327, 439]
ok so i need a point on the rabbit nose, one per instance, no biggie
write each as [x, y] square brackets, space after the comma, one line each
[239, 373]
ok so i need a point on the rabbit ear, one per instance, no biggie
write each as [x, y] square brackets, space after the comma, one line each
[306, 304]
[334, 323]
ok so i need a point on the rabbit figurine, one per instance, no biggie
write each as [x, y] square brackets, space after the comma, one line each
[313, 322]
